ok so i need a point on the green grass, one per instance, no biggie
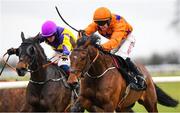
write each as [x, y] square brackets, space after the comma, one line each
[172, 89]
[174, 73]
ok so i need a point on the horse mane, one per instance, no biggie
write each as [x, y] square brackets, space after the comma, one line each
[94, 40]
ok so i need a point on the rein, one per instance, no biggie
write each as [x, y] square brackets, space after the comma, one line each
[43, 66]
[31, 71]
[97, 76]
[6, 62]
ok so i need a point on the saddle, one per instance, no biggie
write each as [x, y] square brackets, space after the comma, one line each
[123, 68]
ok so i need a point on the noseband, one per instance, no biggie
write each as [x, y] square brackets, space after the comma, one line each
[32, 56]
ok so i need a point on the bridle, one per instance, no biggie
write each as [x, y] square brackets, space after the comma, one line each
[86, 69]
[33, 58]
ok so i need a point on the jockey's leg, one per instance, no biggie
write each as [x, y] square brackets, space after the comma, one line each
[65, 65]
[137, 74]
[124, 51]
[65, 68]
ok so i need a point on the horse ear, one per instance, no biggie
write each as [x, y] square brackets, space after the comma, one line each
[88, 42]
[37, 36]
[22, 36]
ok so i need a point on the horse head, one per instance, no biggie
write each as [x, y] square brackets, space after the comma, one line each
[31, 55]
[84, 55]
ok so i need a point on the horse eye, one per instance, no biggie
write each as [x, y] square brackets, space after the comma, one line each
[32, 50]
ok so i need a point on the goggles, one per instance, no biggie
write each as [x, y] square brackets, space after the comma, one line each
[101, 23]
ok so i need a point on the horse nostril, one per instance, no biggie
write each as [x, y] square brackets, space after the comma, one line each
[21, 71]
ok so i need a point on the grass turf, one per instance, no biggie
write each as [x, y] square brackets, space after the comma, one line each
[172, 89]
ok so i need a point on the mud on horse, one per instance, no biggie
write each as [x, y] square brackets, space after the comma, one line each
[46, 91]
[103, 88]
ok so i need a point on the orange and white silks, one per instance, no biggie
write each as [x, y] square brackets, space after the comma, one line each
[117, 30]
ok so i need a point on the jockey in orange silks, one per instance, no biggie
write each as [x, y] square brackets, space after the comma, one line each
[119, 32]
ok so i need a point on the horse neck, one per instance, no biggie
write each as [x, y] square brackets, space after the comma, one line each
[102, 63]
[40, 72]
[39, 75]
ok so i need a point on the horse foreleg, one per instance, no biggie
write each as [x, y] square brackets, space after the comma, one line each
[78, 105]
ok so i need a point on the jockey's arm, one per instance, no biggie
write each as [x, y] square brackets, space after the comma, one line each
[116, 37]
[67, 47]
[90, 29]
[12, 51]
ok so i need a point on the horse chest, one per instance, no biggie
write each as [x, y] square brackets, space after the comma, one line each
[95, 95]
[37, 97]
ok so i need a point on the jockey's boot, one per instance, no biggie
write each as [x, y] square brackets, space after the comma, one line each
[140, 82]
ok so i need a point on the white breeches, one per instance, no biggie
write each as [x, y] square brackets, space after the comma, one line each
[62, 62]
[59, 60]
[125, 47]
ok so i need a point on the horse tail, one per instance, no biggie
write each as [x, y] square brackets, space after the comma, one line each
[165, 99]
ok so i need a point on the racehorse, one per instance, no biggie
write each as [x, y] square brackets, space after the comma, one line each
[103, 88]
[46, 91]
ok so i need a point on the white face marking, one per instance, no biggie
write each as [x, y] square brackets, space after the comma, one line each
[75, 57]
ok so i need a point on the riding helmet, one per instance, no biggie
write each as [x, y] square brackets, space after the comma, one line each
[48, 28]
[102, 15]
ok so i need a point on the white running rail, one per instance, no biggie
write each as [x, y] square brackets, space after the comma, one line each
[166, 79]
[23, 84]
[13, 84]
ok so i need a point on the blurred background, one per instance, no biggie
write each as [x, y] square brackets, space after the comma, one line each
[156, 26]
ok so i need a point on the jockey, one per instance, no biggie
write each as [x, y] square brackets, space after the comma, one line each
[118, 31]
[61, 40]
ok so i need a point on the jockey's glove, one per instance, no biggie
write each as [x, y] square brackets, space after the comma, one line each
[81, 33]
[64, 57]
[98, 46]
[12, 51]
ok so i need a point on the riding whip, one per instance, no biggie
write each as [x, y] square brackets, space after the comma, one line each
[4, 63]
[64, 20]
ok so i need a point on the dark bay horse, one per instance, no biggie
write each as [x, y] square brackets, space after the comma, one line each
[103, 88]
[46, 91]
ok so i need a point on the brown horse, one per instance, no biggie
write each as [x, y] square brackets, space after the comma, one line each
[103, 88]
[46, 91]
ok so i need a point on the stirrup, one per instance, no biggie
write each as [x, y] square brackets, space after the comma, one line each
[137, 87]
[142, 82]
